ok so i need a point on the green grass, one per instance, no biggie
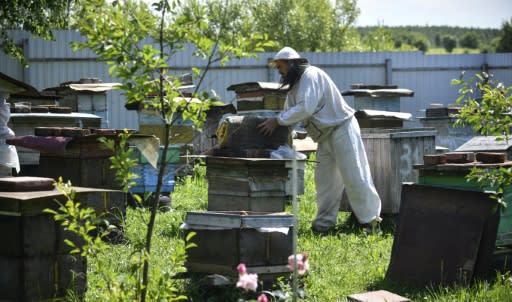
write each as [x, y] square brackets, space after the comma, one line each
[455, 51]
[343, 262]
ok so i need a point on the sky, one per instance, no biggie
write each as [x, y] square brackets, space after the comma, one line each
[462, 13]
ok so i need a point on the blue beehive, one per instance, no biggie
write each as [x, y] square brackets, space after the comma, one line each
[148, 175]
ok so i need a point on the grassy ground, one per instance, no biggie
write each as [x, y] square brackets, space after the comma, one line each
[344, 262]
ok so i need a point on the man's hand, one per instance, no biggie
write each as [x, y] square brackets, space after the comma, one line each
[268, 126]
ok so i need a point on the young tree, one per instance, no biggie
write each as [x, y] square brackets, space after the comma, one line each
[138, 42]
[379, 39]
[449, 43]
[487, 108]
[419, 41]
[469, 40]
[37, 17]
[437, 40]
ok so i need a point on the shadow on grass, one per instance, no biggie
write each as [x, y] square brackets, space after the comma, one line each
[351, 226]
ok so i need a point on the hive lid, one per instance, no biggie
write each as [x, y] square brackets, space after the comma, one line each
[485, 143]
[239, 219]
[26, 183]
[255, 86]
[367, 113]
[379, 93]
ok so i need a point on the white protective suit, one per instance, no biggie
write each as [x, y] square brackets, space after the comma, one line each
[316, 101]
[8, 154]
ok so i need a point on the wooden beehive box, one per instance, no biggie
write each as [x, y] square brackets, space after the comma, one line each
[259, 96]
[377, 97]
[148, 177]
[251, 184]
[36, 265]
[26, 124]
[487, 144]
[262, 241]
[392, 153]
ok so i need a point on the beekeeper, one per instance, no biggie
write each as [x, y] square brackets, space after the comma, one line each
[8, 154]
[314, 100]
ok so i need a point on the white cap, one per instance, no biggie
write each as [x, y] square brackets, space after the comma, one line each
[286, 53]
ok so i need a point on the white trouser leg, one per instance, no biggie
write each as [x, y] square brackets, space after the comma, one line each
[329, 187]
[352, 163]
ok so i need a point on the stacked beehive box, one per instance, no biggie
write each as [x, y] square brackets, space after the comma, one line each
[247, 193]
[250, 184]
[26, 124]
[88, 95]
[35, 264]
[148, 175]
[378, 106]
[257, 96]
[245, 221]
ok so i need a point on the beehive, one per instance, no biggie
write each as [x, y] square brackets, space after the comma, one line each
[251, 184]
[36, 264]
[262, 241]
[259, 96]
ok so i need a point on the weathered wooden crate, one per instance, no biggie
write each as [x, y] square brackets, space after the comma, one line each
[41, 278]
[35, 264]
[251, 184]
[86, 162]
[392, 153]
[262, 241]
[87, 172]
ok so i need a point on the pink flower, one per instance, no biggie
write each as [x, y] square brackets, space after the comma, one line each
[262, 298]
[245, 280]
[241, 269]
[248, 281]
[302, 263]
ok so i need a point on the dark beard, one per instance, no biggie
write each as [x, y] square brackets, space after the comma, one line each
[297, 68]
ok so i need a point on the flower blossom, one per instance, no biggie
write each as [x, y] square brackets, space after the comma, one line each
[241, 269]
[302, 263]
[245, 280]
[262, 298]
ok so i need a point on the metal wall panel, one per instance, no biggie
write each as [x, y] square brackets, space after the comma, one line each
[429, 76]
[10, 66]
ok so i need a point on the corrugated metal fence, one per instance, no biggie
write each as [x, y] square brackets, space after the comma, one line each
[429, 76]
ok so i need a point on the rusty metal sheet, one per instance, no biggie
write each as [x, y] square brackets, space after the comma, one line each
[444, 236]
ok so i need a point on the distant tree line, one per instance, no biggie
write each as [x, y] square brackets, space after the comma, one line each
[425, 37]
